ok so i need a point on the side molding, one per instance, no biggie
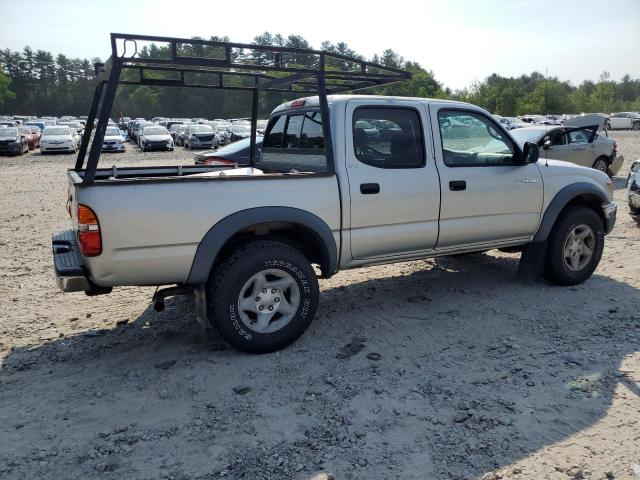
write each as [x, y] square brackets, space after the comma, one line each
[562, 198]
[222, 231]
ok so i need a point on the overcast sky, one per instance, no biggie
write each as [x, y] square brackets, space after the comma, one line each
[461, 41]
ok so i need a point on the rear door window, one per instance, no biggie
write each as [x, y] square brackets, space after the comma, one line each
[388, 137]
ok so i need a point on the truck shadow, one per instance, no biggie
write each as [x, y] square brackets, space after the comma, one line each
[475, 372]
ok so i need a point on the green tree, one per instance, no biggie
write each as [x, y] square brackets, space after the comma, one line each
[5, 93]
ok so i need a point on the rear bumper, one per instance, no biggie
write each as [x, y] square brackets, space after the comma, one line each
[609, 211]
[70, 273]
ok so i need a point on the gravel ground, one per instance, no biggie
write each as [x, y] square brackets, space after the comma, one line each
[476, 374]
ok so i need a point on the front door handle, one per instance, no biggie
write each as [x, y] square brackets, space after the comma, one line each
[457, 185]
[369, 188]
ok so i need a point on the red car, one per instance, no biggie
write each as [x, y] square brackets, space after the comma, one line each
[33, 139]
[36, 133]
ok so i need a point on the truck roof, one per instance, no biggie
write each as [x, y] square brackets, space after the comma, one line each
[314, 101]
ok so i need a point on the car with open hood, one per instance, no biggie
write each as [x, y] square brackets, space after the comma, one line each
[577, 141]
[13, 141]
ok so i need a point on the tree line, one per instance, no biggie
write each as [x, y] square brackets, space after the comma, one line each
[39, 83]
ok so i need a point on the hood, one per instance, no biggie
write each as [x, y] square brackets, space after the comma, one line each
[157, 138]
[587, 121]
[11, 138]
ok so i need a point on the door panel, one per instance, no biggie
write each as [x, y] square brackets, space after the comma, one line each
[501, 202]
[394, 210]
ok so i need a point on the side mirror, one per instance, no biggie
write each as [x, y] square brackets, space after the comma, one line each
[547, 144]
[531, 152]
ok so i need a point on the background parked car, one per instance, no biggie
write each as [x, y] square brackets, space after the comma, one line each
[12, 141]
[113, 140]
[623, 120]
[198, 136]
[234, 153]
[633, 187]
[32, 140]
[577, 142]
[59, 138]
[36, 133]
[155, 137]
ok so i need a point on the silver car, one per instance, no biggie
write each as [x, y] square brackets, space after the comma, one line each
[633, 188]
[577, 141]
[199, 136]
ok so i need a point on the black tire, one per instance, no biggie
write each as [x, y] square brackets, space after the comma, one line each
[231, 277]
[607, 126]
[634, 210]
[557, 269]
[635, 126]
[602, 163]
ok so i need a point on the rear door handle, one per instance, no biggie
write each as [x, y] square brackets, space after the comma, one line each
[369, 188]
[457, 185]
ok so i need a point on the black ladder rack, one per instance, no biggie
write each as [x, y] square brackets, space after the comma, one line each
[276, 71]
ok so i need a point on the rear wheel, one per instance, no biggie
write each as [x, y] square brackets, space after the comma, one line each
[575, 246]
[636, 126]
[263, 297]
[602, 164]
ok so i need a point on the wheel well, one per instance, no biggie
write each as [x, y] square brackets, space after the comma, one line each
[588, 200]
[300, 237]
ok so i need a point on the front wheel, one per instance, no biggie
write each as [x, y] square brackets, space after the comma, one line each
[263, 297]
[575, 247]
[636, 126]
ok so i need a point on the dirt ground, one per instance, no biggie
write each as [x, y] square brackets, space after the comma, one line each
[477, 374]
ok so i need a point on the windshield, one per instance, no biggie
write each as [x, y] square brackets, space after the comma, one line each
[241, 129]
[200, 128]
[57, 131]
[112, 132]
[155, 131]
[522, 135]
[8, 132]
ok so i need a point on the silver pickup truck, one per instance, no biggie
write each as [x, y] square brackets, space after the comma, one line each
[413, 178]
[343, 181]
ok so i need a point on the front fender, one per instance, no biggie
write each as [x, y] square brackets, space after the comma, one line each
[561, 200]
[222, 231]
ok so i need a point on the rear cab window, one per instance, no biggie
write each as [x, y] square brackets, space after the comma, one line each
[294, 141]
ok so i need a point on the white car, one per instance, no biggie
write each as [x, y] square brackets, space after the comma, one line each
[633, 188]
[58, 139]
[113, 140]
[624, 120]
[155, 137]
[199, 136]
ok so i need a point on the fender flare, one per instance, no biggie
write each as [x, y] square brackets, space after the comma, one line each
[222, 231]
[562, 198]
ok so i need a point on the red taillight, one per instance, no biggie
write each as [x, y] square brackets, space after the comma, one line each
[217, 161]
[297, 103]
[89, 238]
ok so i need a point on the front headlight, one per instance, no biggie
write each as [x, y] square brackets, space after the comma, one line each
[610, 186]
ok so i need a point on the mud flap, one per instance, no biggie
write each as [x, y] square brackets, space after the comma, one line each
[531, 266]
[200, 298]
